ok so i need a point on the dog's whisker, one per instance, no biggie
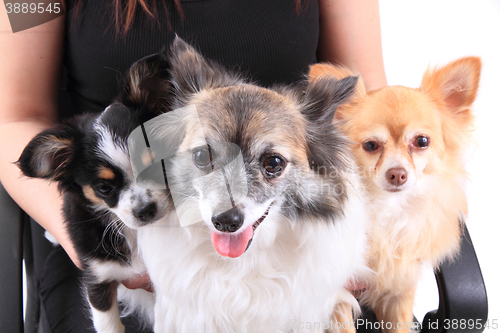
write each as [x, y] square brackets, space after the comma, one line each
[105, 213]
[116, 227]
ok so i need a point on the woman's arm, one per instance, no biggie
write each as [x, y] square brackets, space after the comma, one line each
[350, 35]
[30, 71]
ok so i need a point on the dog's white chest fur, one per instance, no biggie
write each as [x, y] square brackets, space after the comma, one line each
[291, 274]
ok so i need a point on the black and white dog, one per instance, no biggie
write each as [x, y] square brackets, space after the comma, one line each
[103, 202]
[276, 194]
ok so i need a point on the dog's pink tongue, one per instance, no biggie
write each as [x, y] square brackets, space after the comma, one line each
[231, 245]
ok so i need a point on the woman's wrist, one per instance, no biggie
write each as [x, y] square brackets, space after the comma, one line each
[68, 247]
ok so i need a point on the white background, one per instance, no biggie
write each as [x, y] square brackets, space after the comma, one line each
[416, 34]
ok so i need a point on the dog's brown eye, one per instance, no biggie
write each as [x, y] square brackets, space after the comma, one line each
[371, 146]
[103, 189]
[273, 166]
[202, 158]
[421, 142]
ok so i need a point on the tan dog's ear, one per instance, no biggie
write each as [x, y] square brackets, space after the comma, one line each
[455, 85]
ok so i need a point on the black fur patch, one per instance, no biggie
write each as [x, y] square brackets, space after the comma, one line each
[147, 85]
[101, 295]
[90, 231]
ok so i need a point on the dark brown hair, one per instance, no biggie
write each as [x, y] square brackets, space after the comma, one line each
[124, 11]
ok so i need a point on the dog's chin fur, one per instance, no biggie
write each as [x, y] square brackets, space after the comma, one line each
[421, 221]
[307, 246]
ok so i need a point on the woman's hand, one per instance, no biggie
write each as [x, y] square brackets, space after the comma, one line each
[356, 287]
[139, 282]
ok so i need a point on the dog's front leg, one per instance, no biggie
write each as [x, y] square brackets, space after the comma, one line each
[343, 320]
[397, 313]
[104, 306]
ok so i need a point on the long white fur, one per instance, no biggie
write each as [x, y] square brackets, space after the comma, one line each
[108, 321]
[292, 272]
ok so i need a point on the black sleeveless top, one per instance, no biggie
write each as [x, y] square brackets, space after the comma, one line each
[266, 39]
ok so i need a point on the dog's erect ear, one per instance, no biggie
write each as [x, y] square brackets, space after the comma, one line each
[147, 83]
[320, 70]
[49, 155]
[327, 148]
[324, 94]
[454, 85]
[326, 70]
[191, 72]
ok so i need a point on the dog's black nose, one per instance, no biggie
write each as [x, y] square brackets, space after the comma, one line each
[229, 221]
[145, 213]
[396, 176]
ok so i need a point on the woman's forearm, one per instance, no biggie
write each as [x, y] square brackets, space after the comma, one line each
[39, 198]
[30, 74]
[350, 35]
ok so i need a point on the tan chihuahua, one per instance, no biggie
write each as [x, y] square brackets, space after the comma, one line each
[409, 145]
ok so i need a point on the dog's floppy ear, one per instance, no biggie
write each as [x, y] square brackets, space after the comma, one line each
[454, 86]
[49, 154]
[191, 72]
[325, 70]
[326, 147]
[147, 84]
